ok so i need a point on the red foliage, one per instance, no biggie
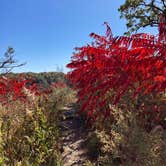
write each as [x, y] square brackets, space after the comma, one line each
[135, 64]
[12, 89]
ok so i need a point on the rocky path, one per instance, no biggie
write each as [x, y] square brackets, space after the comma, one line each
[73, 138]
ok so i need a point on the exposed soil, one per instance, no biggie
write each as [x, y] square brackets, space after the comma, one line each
[74, 134]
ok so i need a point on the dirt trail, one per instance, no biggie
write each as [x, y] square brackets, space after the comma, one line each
[73, 138]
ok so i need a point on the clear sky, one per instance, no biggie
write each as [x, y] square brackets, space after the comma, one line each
[44, 32]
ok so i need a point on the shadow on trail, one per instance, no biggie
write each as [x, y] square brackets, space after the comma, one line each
[74, 135]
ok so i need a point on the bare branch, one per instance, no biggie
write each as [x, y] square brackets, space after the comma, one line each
[164, 4]
[7, 63]
[151, 5]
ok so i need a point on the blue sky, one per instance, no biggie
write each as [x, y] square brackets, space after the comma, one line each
[44, 32]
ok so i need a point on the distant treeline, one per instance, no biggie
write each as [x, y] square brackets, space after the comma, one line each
[45, 78]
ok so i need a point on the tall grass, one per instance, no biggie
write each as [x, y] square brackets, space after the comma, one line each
[29, 134]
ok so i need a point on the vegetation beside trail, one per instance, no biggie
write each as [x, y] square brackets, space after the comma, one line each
[29, 133]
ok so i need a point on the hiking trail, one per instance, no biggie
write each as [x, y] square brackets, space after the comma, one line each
[73, 139]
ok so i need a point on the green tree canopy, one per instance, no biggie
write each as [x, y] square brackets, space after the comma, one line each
[142, 13]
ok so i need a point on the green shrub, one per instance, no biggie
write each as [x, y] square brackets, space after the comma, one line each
[125, 143]
[30, 133]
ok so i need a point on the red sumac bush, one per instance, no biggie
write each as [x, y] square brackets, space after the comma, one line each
[112, 67]
[13, 89]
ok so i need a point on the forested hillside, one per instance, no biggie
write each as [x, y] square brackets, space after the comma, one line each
[44, 78]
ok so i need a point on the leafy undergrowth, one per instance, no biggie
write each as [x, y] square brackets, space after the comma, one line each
[125, 143]
[29, 133]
